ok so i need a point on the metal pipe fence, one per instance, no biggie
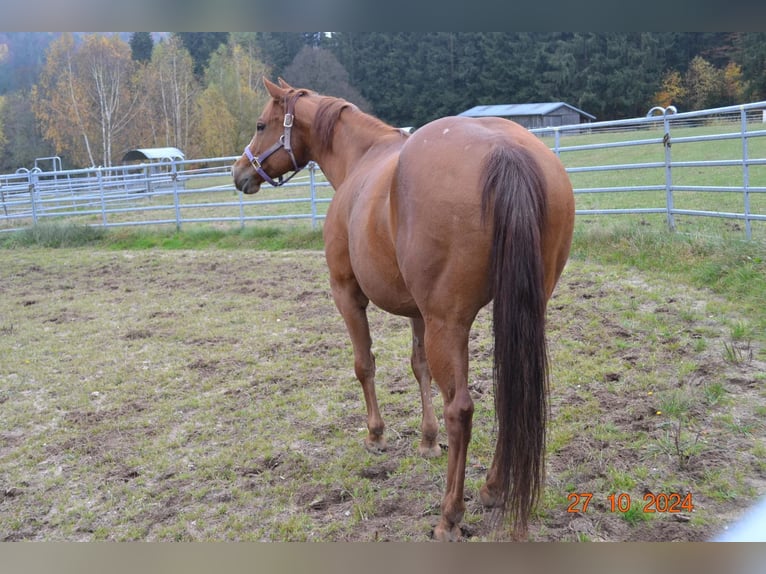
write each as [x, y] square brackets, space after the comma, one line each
[729, 166]
[163, 193]
[690, 166]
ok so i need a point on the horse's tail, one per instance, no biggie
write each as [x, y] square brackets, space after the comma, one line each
[513, 193]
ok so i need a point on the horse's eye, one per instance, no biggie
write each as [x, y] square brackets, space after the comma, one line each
[260, 126]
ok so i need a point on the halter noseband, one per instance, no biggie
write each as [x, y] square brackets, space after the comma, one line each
[282, 142]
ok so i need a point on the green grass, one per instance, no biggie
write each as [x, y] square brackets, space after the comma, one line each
[265, 238]
[54, 235]
[635, 515]
[731, 268]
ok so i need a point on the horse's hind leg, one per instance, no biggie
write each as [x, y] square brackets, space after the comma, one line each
[447, 349]
[429, 426]
[352, 304]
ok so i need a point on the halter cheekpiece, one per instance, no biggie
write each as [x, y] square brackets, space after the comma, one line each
[283, 142]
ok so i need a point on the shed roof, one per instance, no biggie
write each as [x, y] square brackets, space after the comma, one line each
[510, 110]
[167, 153]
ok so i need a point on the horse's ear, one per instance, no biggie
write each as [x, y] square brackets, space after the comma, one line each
[284, 84]
[274, 91]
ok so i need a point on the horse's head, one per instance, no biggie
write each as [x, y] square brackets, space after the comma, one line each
[277, 146]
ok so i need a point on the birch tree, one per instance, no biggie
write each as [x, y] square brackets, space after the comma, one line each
[85, 100]
[108, 69]
[171, 90]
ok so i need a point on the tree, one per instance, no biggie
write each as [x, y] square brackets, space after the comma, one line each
[278, 49]
[217, 128]
[22, 56]
[200, 46]
[141, 45]
[85, 99]
[733, 84]
[318, 69]
[2, 119]
[229, 106]
[23, 140]
[58, 102]
[109, 67]
[751, 56]
[704, 85]
[672, 91]
[170, 88]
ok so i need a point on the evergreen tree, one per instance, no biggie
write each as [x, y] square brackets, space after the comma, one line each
[201, 45]
[278, 49]
[141, 45]
[751, 56]
[23, 139]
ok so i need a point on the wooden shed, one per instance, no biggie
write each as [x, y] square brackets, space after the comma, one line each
[541, 115]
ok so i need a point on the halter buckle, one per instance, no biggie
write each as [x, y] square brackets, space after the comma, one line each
[288, 123]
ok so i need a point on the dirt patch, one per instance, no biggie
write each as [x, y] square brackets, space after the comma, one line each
[210, 395]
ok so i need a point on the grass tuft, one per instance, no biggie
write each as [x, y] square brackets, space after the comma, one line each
[53, 235]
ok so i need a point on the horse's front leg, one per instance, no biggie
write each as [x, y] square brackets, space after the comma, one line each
[352, 304]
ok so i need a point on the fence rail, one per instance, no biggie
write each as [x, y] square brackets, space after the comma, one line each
[705, 164]
[739, 125]
[162, 193]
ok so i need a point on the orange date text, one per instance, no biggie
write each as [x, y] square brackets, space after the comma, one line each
[622, 502]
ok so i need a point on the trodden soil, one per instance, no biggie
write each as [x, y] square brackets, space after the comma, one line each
[210, 395]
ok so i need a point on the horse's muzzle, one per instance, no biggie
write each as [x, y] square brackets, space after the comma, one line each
[244, 182]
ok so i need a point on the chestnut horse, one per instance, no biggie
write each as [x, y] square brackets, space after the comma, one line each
[434, 226]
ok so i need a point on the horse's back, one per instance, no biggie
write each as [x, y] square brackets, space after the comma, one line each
[442, 239]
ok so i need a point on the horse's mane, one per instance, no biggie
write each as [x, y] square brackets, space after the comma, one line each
[327, 116]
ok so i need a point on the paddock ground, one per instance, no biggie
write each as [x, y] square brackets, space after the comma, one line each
[209, 395]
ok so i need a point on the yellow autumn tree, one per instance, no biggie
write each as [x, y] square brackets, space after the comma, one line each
[231, 102]
[734, 85]
[216, 127]
[58, 102]
[85, 99]
[672, 90]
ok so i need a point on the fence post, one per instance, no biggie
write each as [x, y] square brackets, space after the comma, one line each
[176, 203]
[745, 172]
[100, 177]
[557, 141]
[32, 194]
[313, 190]
[668, 164]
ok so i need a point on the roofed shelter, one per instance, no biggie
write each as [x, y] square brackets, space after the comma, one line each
[540, 115]
[149, 161]
[153, 154]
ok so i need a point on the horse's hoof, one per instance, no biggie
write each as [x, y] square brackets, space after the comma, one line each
[375, 446]
[443, 533]
[488, 499]
[429, 451]
[520, 535]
